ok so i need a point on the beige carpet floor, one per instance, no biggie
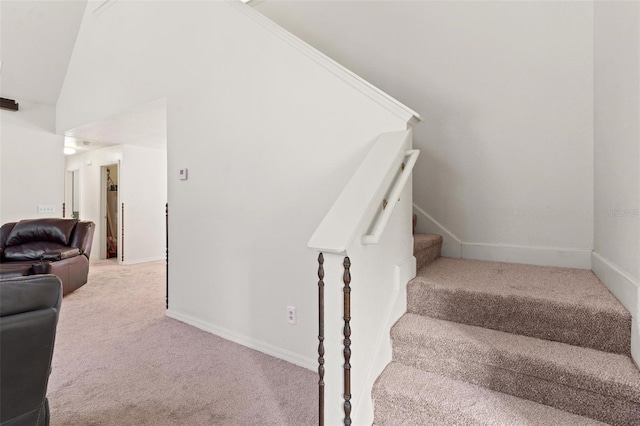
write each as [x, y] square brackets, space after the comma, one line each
[119, 361]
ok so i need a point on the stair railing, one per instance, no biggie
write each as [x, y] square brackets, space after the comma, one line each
[394, 197]
[364, 208]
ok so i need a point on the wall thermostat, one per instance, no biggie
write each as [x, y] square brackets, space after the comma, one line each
[184, 174]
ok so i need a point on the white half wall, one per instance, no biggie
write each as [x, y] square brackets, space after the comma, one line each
[506, 89]
[269, 138]
[617, 153]
[31, 163]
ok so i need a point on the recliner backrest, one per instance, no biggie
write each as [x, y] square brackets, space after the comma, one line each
[4, 233]
[41, 230]
[30, 239]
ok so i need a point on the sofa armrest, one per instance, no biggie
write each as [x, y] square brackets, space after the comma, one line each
[60, 254]
[82, 237]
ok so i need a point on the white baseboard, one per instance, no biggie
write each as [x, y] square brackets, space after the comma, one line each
[250, 342]
[627, 290]
[544, 256]
[451, 245]
[623, 286]
[145, 260]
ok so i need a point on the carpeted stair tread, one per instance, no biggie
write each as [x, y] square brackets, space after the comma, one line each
[553, 283]
[404, 395]
[583, 381]
[426, 248]
[560, 304]
[423, 241]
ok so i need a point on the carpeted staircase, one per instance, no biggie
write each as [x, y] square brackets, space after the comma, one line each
[490, 343]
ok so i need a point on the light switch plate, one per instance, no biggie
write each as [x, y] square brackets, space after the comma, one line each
[184, 174]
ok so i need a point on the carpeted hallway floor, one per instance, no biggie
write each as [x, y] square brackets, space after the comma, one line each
[119, 361]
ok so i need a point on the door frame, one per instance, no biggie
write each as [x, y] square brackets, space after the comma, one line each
[103, 211]
[69, 187]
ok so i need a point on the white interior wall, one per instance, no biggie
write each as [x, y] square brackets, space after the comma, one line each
[616, 257]
[32, 163]
[144, 192]
[506, 89]
[269, 138]
[617, 134]
[142, 187]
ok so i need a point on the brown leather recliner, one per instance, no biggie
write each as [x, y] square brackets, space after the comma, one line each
[47, 246]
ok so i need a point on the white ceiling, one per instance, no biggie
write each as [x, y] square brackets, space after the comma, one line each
[36, 41]
[144, 125]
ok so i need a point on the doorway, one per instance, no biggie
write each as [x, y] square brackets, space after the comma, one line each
[110, 201]
[72, 194]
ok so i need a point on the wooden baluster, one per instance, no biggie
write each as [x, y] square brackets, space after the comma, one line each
[122, 234]
[166, 226]
[321, 339]
[347, 341]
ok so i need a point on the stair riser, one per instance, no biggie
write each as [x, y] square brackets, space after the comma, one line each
[426, 249]
[394, 410]
[426, 256]
[574, 325]
[459, 365]
[421, 350]
[405, 396]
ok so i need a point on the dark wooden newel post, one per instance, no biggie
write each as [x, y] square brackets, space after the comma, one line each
[347, 342]
[321, 339]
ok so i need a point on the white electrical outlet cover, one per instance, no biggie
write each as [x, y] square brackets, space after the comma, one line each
[291, 315]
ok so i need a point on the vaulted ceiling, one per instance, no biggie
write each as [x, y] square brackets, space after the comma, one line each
[36, 41]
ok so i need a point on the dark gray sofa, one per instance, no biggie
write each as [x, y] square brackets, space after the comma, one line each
[29, 310]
